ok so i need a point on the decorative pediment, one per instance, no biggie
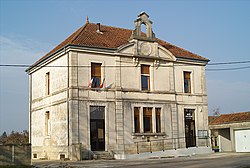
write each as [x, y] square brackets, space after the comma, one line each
[145, 45]
[165, 54]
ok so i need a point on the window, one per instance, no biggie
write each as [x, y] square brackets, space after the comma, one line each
[47, 83]
[202, 134]
[35, 156]
[158, 119]
[137, 119]
[47, 123]
[96, 75]
[62, 156]
[145, 77]
[187, 82]
[147, 119]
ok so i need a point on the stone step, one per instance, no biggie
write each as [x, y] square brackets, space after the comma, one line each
[105, 155]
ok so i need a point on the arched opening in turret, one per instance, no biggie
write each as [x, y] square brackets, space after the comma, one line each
[143, 28]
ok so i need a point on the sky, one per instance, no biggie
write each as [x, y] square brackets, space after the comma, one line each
[216, 29]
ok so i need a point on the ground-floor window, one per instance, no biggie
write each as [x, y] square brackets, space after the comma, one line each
[47, 123]
[147, 120]
[158, 119]
[137, 119]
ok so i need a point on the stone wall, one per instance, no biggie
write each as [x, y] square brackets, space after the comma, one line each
[15, 155]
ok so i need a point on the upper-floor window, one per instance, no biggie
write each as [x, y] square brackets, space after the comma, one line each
[145, 77]
[147, 119]
[187, 82]
[47, 78]
[96, 75]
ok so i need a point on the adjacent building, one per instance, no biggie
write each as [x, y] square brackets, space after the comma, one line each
[113, 89]
[231, 132]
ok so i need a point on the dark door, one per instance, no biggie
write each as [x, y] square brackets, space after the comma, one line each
[97, 128]
[190, 128]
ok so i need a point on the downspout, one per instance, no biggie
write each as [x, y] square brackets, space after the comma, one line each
[78, 100]
[177, 117]
[30, 106]
[67, 95]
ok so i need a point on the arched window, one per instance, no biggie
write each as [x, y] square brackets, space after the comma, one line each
[143, 28]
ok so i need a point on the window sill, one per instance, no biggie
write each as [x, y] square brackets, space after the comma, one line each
[47, 137]
[149, 134]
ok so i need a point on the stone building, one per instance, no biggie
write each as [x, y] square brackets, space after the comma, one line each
[110, 89]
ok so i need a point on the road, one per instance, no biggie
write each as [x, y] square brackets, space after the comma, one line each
[221, 160]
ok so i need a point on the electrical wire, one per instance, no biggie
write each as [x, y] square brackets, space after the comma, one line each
[113, 66]
[223, 63]
[228, 69]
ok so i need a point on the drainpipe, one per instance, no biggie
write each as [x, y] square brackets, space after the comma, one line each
[78, 101]
[178, 140]
[67, 94]
[30, 105]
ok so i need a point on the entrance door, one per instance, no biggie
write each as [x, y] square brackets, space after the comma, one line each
[190, 128]
[97, 128]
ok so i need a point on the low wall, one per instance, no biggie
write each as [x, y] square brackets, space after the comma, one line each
[15, 155]
[167, 153]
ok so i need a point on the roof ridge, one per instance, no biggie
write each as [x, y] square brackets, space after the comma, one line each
[231, 118]
[81, 29]
[235, 113]
[113, 27]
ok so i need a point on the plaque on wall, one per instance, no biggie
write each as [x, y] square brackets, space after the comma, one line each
[145, 49]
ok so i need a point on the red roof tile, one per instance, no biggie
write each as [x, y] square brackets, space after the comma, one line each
[231, 118]
[212, 118]
[112, 38]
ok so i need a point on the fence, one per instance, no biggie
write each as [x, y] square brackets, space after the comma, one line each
[16, 155]
[169, 144]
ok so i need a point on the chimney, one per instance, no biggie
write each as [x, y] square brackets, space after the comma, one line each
[98, 29]
[87, 19]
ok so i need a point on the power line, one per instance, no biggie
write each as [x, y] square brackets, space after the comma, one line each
[223, 63]
[79, 66]
[228, 69]
[114, 66]
[26, 65]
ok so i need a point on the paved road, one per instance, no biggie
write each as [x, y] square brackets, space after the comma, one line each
[221, 160]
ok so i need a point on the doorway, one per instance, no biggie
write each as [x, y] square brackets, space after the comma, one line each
[190, 136]
[97, 128]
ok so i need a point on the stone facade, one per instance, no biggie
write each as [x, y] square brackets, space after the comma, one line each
[60, 119]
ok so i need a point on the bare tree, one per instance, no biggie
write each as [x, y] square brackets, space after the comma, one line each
[216, 111]
[15, 138]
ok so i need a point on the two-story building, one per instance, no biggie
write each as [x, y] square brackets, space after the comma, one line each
[112, 89]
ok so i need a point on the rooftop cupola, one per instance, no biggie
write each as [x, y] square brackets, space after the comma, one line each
[143, 18]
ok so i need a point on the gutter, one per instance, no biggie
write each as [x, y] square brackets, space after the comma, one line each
[178, 58]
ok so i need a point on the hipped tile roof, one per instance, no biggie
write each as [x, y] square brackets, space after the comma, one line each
[231, 118]
[112, 38]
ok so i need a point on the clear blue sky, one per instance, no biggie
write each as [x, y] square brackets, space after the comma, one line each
[218, 30]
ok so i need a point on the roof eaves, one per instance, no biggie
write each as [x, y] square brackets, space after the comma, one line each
[192, 59]
[70, 45]
[47, 57]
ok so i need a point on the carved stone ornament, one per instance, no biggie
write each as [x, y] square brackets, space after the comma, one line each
[146, 49]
